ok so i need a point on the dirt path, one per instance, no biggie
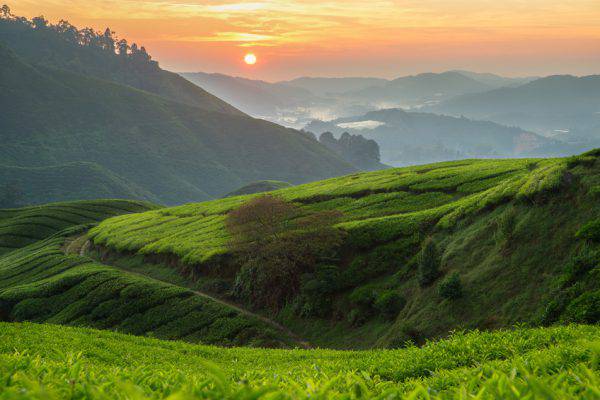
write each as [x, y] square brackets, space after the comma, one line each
[80, 245]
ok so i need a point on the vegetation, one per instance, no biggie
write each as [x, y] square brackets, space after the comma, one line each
[143, 128]
[23, 186]
[52, 362]
[258, 187]
[495, 223]
[451, 288]
[44, 279]
[276, 245]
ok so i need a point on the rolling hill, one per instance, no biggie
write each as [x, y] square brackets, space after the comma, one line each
[173, 151]
[408, 138]
[43, 278]
[494, 225]
[53, 362]
[71, 181]
[554, 105]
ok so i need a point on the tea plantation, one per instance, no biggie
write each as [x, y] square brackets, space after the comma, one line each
[506, 243]
[53, 362]
[40, 282]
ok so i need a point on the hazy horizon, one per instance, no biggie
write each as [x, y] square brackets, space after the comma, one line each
[383, 39]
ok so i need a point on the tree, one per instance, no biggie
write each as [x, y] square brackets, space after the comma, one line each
[5, 12]
[429, 263]
[123, 47]
[276, 242]
[11, 195]
[39, 22]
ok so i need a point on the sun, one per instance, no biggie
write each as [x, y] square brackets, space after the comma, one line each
[250, 59]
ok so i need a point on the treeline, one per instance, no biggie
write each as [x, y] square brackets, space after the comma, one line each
[106, 41]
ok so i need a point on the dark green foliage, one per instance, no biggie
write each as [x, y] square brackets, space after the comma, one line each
[429, 261]
[383, 259]
[585, 309]
[451, 287]
[316, 291]
[590, 231]
[71, 181]
[177, 144]
[389, 303]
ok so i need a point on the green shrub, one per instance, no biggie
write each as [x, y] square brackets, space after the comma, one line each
[429, 263]
[590, 231]
[585, 309]
[451, 287]
[389, 303]
[316, 291]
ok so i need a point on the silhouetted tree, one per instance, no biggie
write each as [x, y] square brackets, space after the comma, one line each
[276, 242]
[123, 47]
[5, 12]
[39, 22]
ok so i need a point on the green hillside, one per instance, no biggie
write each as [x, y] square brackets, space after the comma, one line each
[71, 181]
[494, 225]
[43, 278]
[173, 151]
[52, 362]
[176, 152]
[258, 187]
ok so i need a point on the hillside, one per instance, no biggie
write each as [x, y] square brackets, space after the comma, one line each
[522, 363]
[493, 225]
[175, 152]
[43, 278]
[71, 181]
[554, 105]
[258, 187]
[408, 138]
[84, 52]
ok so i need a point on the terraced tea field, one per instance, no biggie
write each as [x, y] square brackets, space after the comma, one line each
[377, 207]
[40, 282]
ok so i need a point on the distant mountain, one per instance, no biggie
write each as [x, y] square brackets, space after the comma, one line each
[174, 151]
[257, 98]
[420, 90]
[327, 86]
[553, 105]
[414, 137]
[495, 81]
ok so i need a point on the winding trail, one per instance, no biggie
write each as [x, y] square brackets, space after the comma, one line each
[80, 245]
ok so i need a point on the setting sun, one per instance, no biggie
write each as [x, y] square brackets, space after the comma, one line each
[250, 59]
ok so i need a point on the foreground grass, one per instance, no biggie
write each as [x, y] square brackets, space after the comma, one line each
[53, 362]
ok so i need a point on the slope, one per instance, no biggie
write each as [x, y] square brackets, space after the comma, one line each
[42, 280]
[522, 363]
[495, 225]
[551, 105]
[178, 153]
[408, 138]
[84, 52]
[71, 181]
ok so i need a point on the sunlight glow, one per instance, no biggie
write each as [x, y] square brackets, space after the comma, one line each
[250, 59]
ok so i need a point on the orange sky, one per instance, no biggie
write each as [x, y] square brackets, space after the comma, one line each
[385, 38]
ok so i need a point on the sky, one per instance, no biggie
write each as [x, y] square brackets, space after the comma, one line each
[380, 38]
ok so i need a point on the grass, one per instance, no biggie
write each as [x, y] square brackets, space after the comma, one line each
[39, 282]
[378, 207]
[53, 362]
[497, 223]
[22, 226]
